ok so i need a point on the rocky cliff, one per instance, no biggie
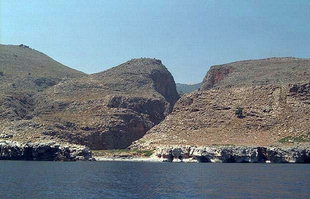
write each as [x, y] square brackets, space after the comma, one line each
[45, 151]
[270, 71]
[233, 154]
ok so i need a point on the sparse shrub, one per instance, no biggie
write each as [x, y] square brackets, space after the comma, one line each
[239, 112]
[1, 73]
[286, 139]
[117, 152]
[291, 139]
[23, 46]
[147, 153]
[45, 82]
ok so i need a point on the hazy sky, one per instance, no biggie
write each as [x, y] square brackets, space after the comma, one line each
[188, 36]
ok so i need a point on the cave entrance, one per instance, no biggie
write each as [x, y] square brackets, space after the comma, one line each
[202, 159]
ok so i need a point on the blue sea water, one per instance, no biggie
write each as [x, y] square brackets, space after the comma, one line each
[101, 180]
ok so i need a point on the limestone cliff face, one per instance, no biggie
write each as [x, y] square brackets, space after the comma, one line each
[233, 154]
[165, 85]
[215, 75]
[43, 151]
[156, 109]
[270, 71]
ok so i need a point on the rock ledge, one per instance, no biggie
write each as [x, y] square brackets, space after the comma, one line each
[46, 151]
[233, 154]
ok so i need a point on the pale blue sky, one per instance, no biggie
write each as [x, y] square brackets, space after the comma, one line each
[188, 36]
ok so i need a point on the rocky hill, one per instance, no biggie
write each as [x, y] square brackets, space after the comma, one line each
[103, 111]
[110, 109]
[24, 73]
[27, 70]
[271, 71]
[233, 109]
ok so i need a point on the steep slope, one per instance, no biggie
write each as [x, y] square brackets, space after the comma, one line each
[103, 111]
[270, 71]
[187, 88]
[272, 115]
[241, 114]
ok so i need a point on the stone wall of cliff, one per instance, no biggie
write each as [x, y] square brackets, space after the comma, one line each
[270, 71]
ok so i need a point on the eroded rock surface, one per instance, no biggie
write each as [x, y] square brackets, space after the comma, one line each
[233, 154]
[47, 151]
[270, 71]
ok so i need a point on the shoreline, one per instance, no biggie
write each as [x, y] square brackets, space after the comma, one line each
[131, 159]
[43, 151]
[220, 154]
[52, 151]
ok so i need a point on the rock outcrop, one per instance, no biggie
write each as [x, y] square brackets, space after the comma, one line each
[215, 76]
[271, 71]
[233, 154]
[47, 151]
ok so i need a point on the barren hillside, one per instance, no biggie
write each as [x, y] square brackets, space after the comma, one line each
[27, 70]
[103, 111]
[233, 110]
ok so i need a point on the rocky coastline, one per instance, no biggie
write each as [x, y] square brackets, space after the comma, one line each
[233, 154]
[43, 151]
[52, 151]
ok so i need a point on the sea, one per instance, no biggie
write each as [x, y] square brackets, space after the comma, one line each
[104, 180]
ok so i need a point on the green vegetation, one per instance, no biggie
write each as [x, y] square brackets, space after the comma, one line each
[291, 139]
[239, 112]
[147, 153]
[115, 152]
[104, 152]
